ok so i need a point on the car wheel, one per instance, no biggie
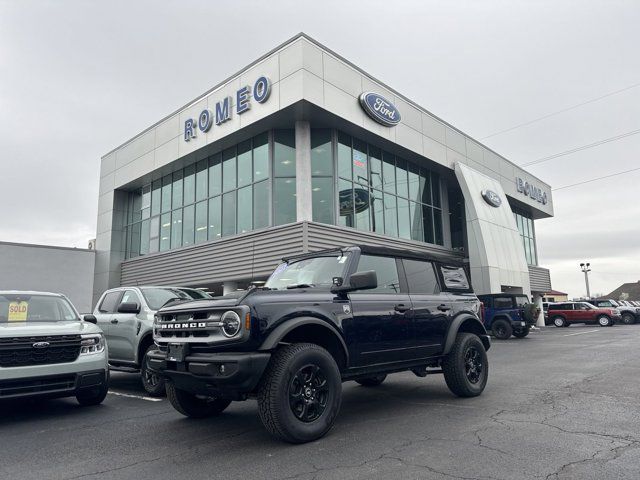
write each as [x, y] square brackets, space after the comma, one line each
[628, 318]
[153, 383]
[195, 406]
[95, 395]
[501, 329]
[466, 367]
[523, 332]
[559, 322]
[371, 381]
[604, 321]
[300, 393]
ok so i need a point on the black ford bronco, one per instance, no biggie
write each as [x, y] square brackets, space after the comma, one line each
[356, 313]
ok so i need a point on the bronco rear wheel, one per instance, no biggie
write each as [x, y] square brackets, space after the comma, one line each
[466, 368]
[372, 381]
[195, 406]
[300, 393]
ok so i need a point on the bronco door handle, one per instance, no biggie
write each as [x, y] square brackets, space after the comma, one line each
[443, 308]
[114, 321]
[401, 308]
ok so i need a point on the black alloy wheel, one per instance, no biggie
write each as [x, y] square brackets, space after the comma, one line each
[153, 383]
[308, 393]
[466, 366]
[628, 318]
[473, 364]
[501, 329]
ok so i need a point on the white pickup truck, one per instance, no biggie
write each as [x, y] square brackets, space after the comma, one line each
[49, 350]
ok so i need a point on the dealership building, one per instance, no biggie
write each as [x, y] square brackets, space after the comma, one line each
[300, 151]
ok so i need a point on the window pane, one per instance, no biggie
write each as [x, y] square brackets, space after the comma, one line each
[435, 187]
[455, 277]
[165, 232]
[437, 223]
[425, 184]
[187, 226]
[144, 237]
[202, 179]
[284, 200]
[427, 220]
[201, 222]
[134, 240]
[375, 162]
[245, 169]
[415, 186]
[377, 208]
[360, 169]
[215, 218]
[322, 199]
[388, 173]
[146, 197]
[284, 153]
[386, 271]
[321, 157]
[421, 276]
[415, 213]
[390, 215]
[361, 205]
[229, 169]
[155, 197]
[215, 174]
[345, 201]
[344, 156]
[135, 206]
[261, 157]
[176, 228]
[245, 207]
[401, 178]
[166, 194]
[404, 224]
[229, 214]
[261, 205]
[189, 184]
[176, 194]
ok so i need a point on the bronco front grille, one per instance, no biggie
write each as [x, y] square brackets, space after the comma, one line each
[20, 351]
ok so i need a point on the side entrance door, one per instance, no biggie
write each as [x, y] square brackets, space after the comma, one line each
[381, 327]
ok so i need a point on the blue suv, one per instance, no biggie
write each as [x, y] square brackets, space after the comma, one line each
[507, 314]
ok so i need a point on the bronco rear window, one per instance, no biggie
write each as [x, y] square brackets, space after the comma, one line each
[455, 278]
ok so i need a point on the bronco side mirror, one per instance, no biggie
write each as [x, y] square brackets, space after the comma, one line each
[358, 281]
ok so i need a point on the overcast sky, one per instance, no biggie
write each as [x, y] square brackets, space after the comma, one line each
[78, 78]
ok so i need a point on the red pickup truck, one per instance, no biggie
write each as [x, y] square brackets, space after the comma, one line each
[566, 313]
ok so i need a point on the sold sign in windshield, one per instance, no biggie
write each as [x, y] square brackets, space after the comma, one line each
[18, 311]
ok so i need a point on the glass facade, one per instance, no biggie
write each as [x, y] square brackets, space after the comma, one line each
[524, 221]
[225, 194]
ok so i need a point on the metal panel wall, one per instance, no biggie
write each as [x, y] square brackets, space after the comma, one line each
[540, 279]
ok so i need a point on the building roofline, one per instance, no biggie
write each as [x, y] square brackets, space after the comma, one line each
[35, 245]
[339, 57]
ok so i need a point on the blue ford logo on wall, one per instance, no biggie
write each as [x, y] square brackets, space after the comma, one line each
[492, 198]
[380, 109]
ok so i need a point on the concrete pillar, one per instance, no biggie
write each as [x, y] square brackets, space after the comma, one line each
[229, 287]
[537, 299]
[304, 211]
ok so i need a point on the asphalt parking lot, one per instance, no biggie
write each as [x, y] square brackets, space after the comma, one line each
[561, 403]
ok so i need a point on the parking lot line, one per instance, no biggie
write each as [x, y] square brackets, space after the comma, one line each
[139, 397]
[580, 333]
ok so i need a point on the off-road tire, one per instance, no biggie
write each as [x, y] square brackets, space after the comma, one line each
[275, 393]
[501, 329]
[153, 388]
[523, 332]
[193, 406]
[454, 366]
[371, 381]
[604, 321]
[559, 322]
[93, 396]
[628, 318]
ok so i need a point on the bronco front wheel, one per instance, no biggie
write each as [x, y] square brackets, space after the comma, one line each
[466, 368]
[300, 394]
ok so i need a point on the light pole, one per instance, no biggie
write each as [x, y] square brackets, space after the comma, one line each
[585, 269]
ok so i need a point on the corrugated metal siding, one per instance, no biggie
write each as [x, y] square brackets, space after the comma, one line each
[540, 279]
[249, 255]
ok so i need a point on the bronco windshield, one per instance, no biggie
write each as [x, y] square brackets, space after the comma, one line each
[311, 272]
[22, 308]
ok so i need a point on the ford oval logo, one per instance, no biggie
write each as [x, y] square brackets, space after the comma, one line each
[380, 109]
[41, 345]
[492, 198]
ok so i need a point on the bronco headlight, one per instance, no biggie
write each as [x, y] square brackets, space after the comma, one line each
[230, 324]
[92, 344]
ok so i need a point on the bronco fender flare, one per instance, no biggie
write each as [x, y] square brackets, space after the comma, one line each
[466, 323]
[281, 331]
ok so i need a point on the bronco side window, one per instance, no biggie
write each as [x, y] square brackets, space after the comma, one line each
[386, 271]
[455, 278]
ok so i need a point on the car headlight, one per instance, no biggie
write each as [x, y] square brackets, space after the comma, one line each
[230, 323]
[92, 343]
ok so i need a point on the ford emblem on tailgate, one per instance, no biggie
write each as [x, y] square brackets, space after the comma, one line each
[380, 109]
[40, 345]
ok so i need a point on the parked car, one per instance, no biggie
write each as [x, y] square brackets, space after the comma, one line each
[48, 350]
[507, 314]
[125, 314]
[357, 313]
[563, 314]
[629, 314]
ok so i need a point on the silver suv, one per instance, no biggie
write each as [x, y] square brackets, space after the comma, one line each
[125, 314]
[48, 350]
